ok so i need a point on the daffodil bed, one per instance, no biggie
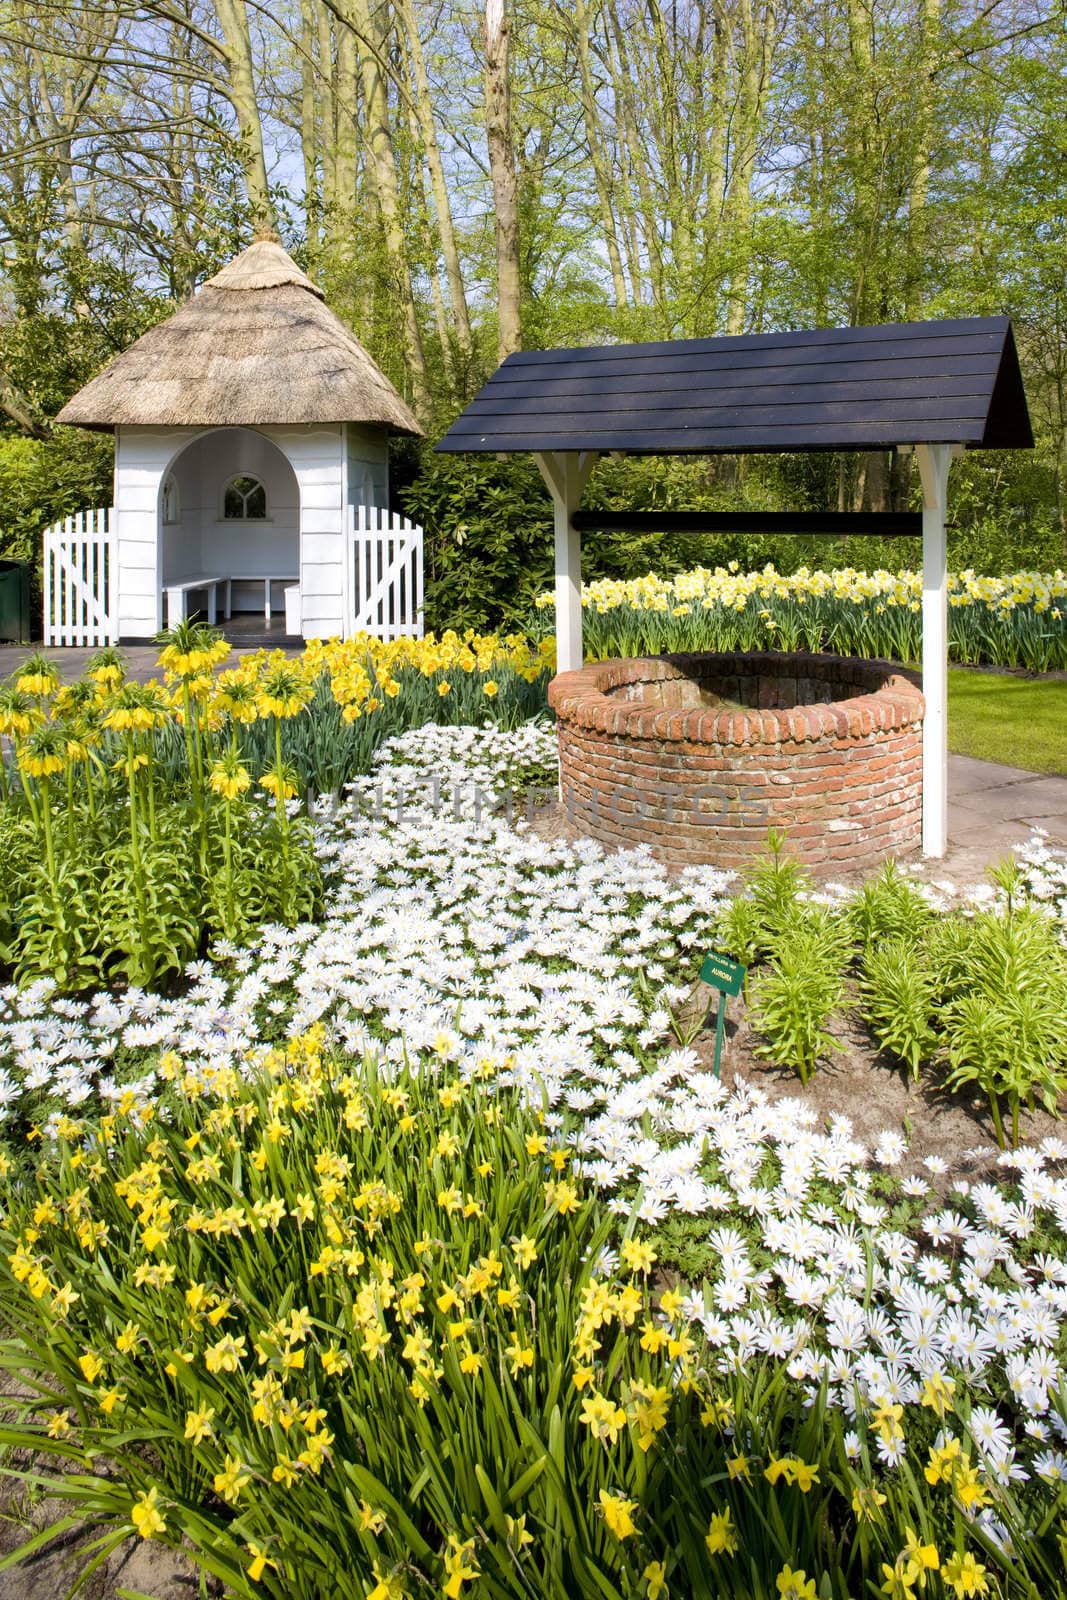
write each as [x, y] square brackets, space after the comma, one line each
[350, 1329]
[858, 1335]
[1017, 620]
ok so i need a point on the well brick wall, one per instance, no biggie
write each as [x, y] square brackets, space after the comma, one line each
[843, 776]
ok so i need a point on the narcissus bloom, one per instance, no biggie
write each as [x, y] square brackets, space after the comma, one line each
[145, 1515]
[618, 1513]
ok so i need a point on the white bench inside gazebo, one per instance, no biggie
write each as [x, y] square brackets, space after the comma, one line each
[208, 584]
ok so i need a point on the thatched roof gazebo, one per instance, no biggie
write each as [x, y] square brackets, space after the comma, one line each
[256, 346]
[249, 428]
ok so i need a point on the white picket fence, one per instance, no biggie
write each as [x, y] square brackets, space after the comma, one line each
[385, 585]
[79, 557]
[386, 575]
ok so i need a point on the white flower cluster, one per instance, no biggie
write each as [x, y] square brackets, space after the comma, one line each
[453, 934]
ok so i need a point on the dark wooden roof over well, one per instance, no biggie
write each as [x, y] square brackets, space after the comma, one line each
[952, 382]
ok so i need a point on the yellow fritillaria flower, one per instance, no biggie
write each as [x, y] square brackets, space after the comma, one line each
[270, 783]
[229, 779]
[40, 766]
[41, 683]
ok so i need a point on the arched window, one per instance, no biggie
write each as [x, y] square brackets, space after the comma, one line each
[245, 500]
[170, 499]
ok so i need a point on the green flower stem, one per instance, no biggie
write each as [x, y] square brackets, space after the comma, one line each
[190, 748]
[283, 820]
[151, 787]
[70, 804]
[228, 862]
[27, 789]
[279, 792]
[144, 953]
[90, 786]
[49, 845]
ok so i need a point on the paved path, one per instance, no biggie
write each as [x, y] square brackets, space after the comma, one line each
[142, 660]
[991, 807]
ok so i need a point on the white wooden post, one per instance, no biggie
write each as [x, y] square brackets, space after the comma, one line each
[566, 473]
[934, 462]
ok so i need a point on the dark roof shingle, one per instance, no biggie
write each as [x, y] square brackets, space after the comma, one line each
[954, 382]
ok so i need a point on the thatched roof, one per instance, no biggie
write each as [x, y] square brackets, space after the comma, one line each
[256, 346]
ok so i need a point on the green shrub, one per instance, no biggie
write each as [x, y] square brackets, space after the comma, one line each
[797, 993]
[900, 1000]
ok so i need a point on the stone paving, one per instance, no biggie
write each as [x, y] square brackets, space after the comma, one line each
[991, 807]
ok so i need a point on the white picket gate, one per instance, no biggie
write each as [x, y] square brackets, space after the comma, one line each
[79, 580]
[385, 575]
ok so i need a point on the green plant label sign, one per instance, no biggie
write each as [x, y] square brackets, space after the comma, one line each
[723, 973]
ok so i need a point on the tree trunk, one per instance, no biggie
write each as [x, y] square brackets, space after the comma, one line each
[920, 181]
[309, 130]
[438, 185]
[502, 172]
[755, 45]
[650, 225]
[233, 20]
[597, 156]
[370, 48]
[676, 200]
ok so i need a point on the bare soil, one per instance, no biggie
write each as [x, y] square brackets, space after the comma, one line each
[139, 1567]
[874, 1090]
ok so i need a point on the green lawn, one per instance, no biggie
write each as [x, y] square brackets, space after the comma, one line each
[1020, 721]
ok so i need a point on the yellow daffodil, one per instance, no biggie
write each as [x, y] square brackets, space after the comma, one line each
[721, 1537]
[618, 1514]
[145, 1515]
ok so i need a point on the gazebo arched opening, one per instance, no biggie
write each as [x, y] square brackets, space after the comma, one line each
[229, 503]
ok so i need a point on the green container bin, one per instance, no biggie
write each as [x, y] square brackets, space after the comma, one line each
[14, 602]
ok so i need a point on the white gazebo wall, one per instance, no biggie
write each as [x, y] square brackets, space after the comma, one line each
[368, 467]
[143, 457]
[316, 454]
